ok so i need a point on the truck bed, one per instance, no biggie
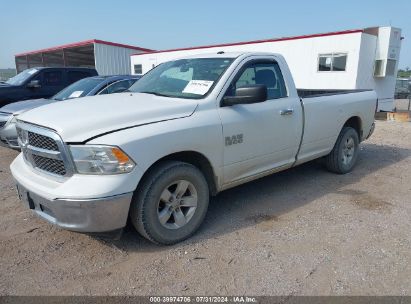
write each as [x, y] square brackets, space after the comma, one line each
[307, 93]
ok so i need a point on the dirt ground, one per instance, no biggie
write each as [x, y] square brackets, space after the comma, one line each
[304, 231]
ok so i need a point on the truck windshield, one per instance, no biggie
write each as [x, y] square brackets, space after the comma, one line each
[78, 89]
[22, 77]
[184, 78]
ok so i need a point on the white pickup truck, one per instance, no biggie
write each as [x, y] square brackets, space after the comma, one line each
[188, 129]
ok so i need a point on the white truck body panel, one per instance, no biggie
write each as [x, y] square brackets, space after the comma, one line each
[324, 120]
[148, 128]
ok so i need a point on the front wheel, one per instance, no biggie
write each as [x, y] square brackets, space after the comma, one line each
[344, 155]
[171, 203]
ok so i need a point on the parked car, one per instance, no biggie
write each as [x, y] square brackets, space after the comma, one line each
[190, 128]
[97, 85]
[40, 83]
[402, 88]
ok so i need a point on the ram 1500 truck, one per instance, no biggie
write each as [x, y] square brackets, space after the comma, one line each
[188, 129]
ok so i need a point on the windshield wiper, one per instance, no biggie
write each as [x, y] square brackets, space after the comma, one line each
[155, 93]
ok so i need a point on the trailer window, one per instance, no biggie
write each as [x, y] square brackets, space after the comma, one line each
[138, 69]
[334, 62]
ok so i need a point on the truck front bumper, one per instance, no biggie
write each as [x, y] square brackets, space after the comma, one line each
[83, 215]
[82, 203]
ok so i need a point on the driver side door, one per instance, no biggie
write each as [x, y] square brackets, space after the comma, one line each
[259, 137]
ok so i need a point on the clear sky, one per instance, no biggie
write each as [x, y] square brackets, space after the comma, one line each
[31, 25]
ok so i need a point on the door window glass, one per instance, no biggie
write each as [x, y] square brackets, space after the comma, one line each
[74, 76]
[267, 74]
[118, 87]
[53, 78]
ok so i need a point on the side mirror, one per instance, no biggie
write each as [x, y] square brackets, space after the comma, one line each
[34, 84]
[245, 95]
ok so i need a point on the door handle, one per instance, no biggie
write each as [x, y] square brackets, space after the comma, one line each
[287, 112]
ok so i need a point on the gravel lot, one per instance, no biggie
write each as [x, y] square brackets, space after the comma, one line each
[300, 232]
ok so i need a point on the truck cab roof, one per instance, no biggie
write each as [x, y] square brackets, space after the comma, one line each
[229, 54]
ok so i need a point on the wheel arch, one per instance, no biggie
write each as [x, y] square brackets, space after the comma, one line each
[194, 158]
[355, 122]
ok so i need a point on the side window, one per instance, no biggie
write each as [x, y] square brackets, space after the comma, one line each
[268, 74]
[247, 78]
[53, 78]
[74, 76]
[339, 62]
[102, 92]
[138, 69]
[131, 82]
[116, 87]
[335, 62]
[37, 77]
[324, 62]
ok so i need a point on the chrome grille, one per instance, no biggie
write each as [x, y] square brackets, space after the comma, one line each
[44, 150]
[41, 141]
[50, 165]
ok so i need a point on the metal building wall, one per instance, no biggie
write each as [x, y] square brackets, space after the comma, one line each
[112, 60]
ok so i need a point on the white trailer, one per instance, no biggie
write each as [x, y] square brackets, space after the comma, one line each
[354, 59]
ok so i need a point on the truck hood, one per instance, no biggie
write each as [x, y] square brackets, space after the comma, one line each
[17, 108]
[83, 118]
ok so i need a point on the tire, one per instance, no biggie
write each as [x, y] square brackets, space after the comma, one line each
[344, 155]
[159, 203]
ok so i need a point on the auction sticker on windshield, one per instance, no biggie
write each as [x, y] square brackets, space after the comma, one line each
[75, 94]
[198, 87]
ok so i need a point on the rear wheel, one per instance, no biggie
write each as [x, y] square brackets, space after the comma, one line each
[171, 203]
[344, 155]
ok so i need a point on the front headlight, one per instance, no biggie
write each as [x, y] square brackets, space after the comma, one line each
[102, 160]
